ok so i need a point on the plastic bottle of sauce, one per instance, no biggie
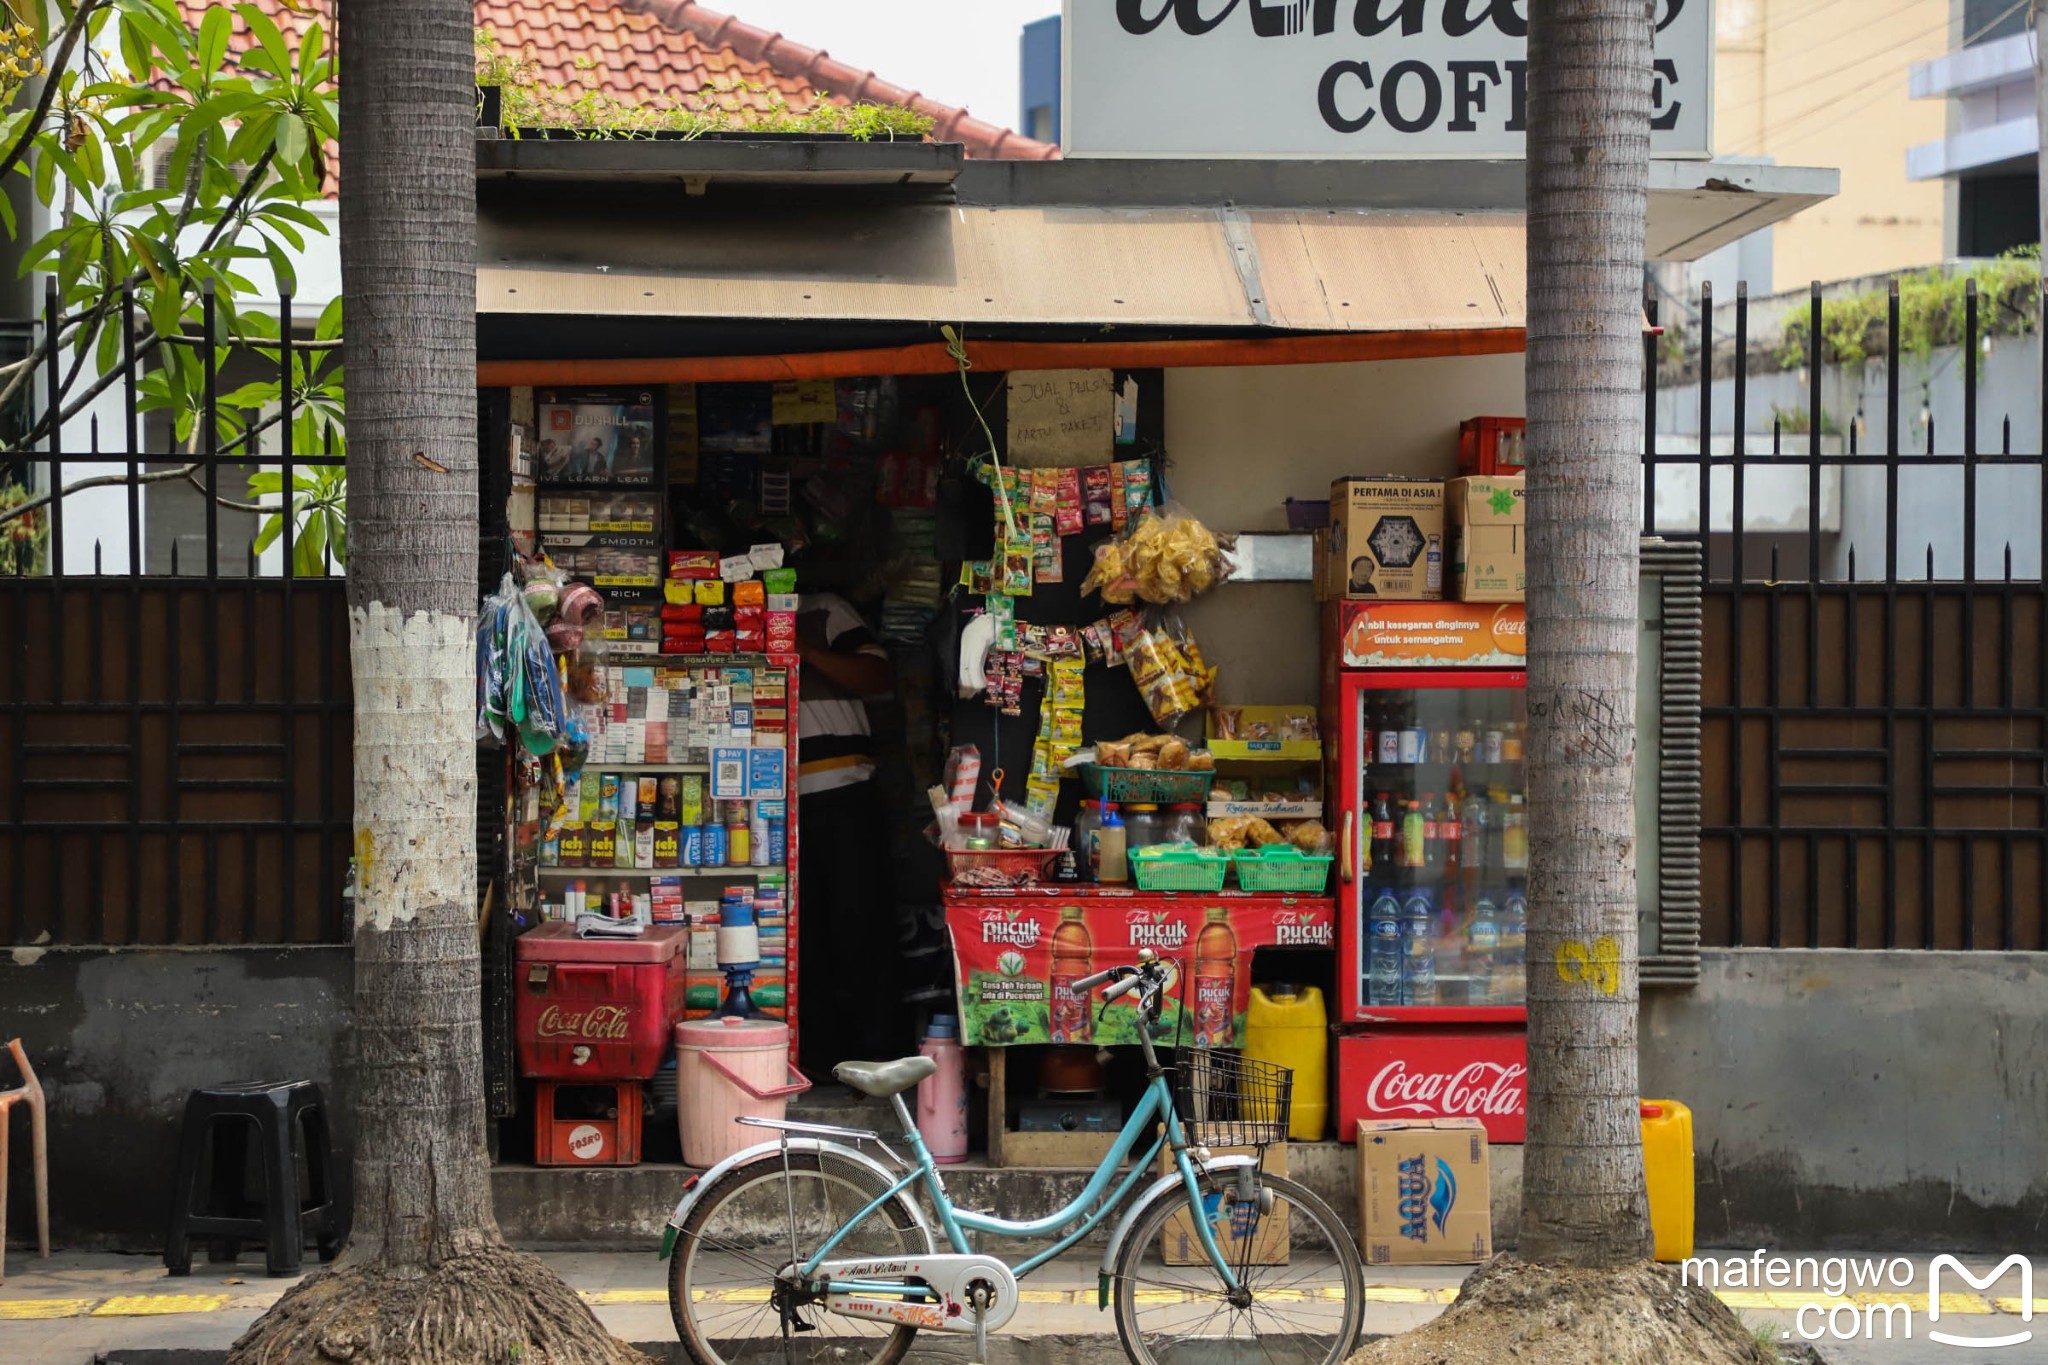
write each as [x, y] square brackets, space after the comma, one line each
[1073, 953]
[1216, 981]
[1112, 861]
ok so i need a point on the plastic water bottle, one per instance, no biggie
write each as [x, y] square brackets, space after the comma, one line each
[942, 1096]
[1383, 927]
[1511, 970]
[1482, 945]
[1418, 943]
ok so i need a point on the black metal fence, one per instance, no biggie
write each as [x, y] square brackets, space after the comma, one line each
[1875, 714]
[174, 746]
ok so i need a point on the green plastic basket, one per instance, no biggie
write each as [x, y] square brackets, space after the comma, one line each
[1164, 867]
[1282, 867]
[1145, 785]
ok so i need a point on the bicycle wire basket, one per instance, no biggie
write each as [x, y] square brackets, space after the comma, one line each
[1228, 1100]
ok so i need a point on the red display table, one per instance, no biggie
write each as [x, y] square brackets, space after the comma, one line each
[1015, 951]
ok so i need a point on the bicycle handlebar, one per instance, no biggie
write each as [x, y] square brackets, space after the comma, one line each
[1094, 979]
[1122, 988]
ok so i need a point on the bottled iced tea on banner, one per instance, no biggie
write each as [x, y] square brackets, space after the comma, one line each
[1072, 956]
[1216, 981]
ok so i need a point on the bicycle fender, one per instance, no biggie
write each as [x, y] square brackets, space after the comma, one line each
[1159, 1189]
[706, 1181]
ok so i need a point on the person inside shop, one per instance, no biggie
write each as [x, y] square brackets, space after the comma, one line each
[846, 941]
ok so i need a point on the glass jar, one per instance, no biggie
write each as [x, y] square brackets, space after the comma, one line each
[1144, 825]
[1186, 824]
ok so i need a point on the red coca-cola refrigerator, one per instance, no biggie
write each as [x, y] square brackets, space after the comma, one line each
[1424, 728]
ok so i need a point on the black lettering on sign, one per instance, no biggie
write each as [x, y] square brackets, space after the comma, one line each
[1374, 17]
[1672, 9]
[1432, 97]
[1518, 97]
[1467, 95]
[1130, 14]
[1326, 95]
[1664, 119]
[1459, 19]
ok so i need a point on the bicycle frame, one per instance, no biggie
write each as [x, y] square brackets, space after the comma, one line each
[1156, 1103]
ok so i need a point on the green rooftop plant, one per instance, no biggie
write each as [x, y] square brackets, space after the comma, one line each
[531, 103]
[1931, 312]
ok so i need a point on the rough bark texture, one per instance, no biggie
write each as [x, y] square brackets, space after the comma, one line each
[1513, 1313]
[425, 1276]
[1588, 169]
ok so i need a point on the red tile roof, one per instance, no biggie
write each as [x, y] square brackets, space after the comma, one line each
[676, 50]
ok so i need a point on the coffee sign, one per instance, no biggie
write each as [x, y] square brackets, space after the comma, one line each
[1340, 78]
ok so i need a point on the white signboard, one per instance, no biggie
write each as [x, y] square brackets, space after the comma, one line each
[1339, 78]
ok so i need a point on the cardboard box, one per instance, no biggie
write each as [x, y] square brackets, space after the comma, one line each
[1180, 1246]
[1386, 539]
[1489, 538]
[1422, 1192]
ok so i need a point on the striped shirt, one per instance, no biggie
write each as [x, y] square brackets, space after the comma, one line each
[833, 745]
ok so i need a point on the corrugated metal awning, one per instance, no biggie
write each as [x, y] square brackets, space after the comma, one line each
[1323, 271]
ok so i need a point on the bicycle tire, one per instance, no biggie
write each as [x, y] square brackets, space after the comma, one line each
[765, 1178]
[1346, 1276]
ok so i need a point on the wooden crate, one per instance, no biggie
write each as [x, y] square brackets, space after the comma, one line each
[1008, 1147]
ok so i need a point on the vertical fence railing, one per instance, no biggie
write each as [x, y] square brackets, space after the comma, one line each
[1901, 716]
[175, 743]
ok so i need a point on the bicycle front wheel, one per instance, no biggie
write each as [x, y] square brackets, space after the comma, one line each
[1301, 1295]
[730, 1290]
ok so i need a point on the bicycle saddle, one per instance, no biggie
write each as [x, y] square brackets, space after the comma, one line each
[883, 1079]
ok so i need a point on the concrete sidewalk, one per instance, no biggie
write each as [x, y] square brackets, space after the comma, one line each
[75, 1307]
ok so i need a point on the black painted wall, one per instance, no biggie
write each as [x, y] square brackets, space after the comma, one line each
[118, 1036]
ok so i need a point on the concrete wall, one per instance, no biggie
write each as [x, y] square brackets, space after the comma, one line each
[1860, 1099]
[1244, 440]
[118, 1036]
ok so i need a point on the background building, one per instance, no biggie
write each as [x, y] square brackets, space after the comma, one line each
[1987, 157]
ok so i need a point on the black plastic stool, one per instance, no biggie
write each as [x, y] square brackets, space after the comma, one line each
[289, 1121]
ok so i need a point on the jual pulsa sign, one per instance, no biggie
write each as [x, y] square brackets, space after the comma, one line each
[1340, 78]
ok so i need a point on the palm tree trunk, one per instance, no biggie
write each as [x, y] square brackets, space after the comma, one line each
[2034, 13]
[425, 1275]
[1583, 1201]
[408, 259]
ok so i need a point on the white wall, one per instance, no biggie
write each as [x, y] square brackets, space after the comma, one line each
[1241, 441]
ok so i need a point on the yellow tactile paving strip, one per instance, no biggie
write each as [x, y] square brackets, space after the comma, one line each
[147, 1305]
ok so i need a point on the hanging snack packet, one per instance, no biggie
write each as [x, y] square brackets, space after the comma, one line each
[1066, 692]
[1003, 611]
[1017, 567]
[1119, 495]
[1095, 495]
[1067, 512]
[1045, 493]
[1047, 554]
[1137, 486]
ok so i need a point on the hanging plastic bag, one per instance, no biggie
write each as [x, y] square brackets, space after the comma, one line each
[1168, 556]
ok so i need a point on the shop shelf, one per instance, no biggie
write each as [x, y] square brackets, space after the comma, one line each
[1282, 867]
[1145, 785]
[1168, 867]
[614, 873]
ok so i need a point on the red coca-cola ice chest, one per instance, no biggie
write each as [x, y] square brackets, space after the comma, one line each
[1435, 1073]
[597, 1008]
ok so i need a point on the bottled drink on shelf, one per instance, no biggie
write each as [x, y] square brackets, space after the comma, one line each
[1418, 948]
[1414, 744]
[1440, 745]
[1511, 972]
[1475, 819]
[1514, 836]
[1388, 736]
[1383, 946]
[1383, 841]
[1451, 839]
[1216, 981]
[1073, 952]
[1491, 742]
[1414, 836]
[1511, 743]
[1468, 742]
[1482, 948]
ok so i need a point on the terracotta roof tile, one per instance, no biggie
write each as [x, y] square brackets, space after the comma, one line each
[677, 50]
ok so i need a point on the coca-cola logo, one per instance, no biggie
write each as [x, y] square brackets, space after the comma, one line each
[1475, 1089]
[1510, 630]
[599, 1023]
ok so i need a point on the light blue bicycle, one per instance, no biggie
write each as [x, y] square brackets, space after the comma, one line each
[808, 1249]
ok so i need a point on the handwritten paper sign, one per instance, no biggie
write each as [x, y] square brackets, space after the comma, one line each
[1061, 417]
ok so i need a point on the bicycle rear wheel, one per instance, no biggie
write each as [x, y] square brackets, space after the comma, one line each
[1307, 1310]
[728, 1290]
